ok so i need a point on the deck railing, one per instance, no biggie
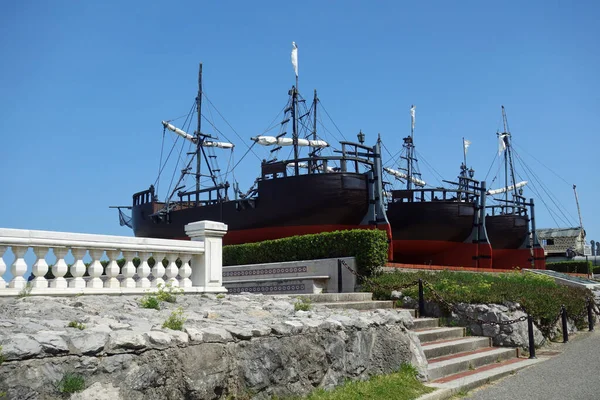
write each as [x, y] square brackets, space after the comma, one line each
[198, 270]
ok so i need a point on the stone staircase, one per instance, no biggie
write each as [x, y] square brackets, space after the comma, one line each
[459, 363]
[356, 301]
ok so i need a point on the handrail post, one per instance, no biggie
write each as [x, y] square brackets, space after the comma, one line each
[590, 316]
[563, 312]
[531, 340]
[421, 299]
[340, 284]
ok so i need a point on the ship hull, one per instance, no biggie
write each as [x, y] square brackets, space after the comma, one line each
[284, 207]
[509, 237]
[439, 232]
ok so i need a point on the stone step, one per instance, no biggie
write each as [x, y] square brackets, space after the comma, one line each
[360, 305]
[435, 334]
[469, 380]
[333, 297]
[448, 365]
[452, 346]
[424, 323]
[312, 284]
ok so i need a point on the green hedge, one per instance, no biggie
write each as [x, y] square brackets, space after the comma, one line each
[369, 247]
[578, 267]
[538, 294]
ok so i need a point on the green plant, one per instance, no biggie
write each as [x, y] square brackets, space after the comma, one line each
[471, 367]
[539, 295]
[71, 383]
[175, 320]
[401, 385]
[1, 356]
[149, 301]
[578, 267]
[220, 296]
[369, 247]
[25, 291]
[303, 305]
[167, 292]
[75, 324]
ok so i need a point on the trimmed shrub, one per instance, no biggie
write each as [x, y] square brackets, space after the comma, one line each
[574, 267]
[369, 247]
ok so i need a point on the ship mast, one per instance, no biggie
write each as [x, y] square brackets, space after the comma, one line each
[578, 209]
[508, 161]
[409, 145]
[295, 127]
[199, 138]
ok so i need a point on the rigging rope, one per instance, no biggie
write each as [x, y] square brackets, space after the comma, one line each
[331, 119]
[544, 165]
[550, 196]
[228, 124]
[162, 147]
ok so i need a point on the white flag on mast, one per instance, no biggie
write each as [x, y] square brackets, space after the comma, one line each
[466, 144]
[295, 57]
[501, 143]
[412, 115]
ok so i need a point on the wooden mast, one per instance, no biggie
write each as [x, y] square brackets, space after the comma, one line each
[199, 138]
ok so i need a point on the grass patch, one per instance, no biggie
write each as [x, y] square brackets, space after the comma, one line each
[71, 383]
[303, 305]
[220, 296]
[149, 301]
[167, 293]
[75, 324]
[175, 320]
[26, 291]
[402, 385]
[539, 295]
[1, 356]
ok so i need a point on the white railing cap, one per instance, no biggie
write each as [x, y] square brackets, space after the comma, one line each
[206, 228]
[26, 237]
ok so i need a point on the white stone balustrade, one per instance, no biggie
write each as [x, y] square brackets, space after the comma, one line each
[201, 267]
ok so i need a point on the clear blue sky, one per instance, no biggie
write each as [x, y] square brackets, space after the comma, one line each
[84, 86]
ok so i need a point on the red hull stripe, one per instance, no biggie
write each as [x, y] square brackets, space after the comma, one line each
[439, 252]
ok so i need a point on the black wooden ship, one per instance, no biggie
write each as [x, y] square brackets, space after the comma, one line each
[436, 226]
[510, 221]
[302, 195]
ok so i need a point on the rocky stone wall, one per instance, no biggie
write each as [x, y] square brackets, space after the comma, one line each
[246, 346]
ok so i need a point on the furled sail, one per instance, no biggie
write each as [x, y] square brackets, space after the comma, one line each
[507, 189]
[178, 131]
[305, 165]
[187, 136]
[220, 145]
[402, 175]
[284, 141]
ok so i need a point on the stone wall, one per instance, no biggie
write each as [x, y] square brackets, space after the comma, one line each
[246, 346]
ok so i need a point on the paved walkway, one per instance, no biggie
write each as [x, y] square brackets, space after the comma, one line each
[572, 375]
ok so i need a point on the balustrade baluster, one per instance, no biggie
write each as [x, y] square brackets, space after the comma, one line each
[78, 269]
[2, 267]
[112, 270]
[128, 270]
[185, 271]
[60, 268]
[158, 271]
[143, 271]
[172, 271]
[95, 269]
[40, 268]
[18, 268]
